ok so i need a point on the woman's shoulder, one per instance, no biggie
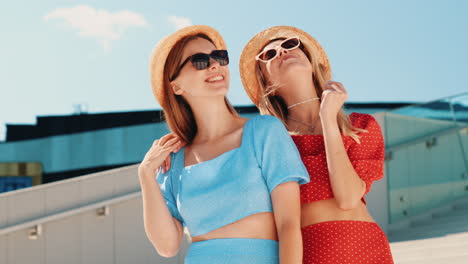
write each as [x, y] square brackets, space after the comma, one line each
[362, 120]
[266, 128]
[368, 123]
[175, 166]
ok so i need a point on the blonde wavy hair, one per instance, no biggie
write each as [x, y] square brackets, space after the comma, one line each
[273, 104]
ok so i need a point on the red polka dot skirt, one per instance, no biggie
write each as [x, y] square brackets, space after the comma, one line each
[345, 242]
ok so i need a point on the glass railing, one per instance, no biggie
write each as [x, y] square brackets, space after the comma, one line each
[426, 164]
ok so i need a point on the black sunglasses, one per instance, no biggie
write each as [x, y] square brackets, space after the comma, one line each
[201, 61]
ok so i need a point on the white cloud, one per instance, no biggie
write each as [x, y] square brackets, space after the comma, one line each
[98, 23]
[179, 22]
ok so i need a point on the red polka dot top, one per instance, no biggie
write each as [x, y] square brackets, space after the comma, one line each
[367, 158]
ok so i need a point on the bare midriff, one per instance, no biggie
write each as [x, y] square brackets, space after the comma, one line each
[328, 210]
[256, 226]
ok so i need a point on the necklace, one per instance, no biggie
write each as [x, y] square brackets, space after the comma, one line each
[305, 101]
[311, 127]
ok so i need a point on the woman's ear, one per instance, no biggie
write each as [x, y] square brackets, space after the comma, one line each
[176, 89]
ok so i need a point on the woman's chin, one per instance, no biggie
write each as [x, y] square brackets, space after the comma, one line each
[294, 65]
[218, 90]
[295, 68]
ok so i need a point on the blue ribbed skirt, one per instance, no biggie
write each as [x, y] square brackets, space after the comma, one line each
[233, 251]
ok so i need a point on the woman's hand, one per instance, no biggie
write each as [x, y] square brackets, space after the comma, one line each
[333, 98]
[158, 155]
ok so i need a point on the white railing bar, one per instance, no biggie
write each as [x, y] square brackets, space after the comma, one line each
[69, 212]
[424, 138]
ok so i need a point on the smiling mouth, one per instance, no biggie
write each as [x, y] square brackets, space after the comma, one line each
[214, 79]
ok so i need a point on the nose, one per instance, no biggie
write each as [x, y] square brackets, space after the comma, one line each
[214, 64]
[281, 51]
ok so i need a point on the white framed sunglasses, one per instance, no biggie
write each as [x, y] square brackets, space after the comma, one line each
[270, 54]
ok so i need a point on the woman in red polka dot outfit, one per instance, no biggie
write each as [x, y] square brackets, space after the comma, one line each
[286, 73]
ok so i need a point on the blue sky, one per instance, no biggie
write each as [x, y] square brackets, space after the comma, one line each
[56, 54]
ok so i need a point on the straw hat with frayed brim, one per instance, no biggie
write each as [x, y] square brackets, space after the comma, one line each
[163, 48]
[247, 63]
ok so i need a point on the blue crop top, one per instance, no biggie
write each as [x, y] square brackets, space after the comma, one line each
[235, 184]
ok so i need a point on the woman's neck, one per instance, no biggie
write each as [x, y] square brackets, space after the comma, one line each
[213, 119]
[298, 93]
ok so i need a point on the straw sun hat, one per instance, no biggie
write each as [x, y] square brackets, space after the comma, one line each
[247, 63]
[163, 48]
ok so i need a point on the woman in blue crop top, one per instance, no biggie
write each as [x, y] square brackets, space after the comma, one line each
[218, 174]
